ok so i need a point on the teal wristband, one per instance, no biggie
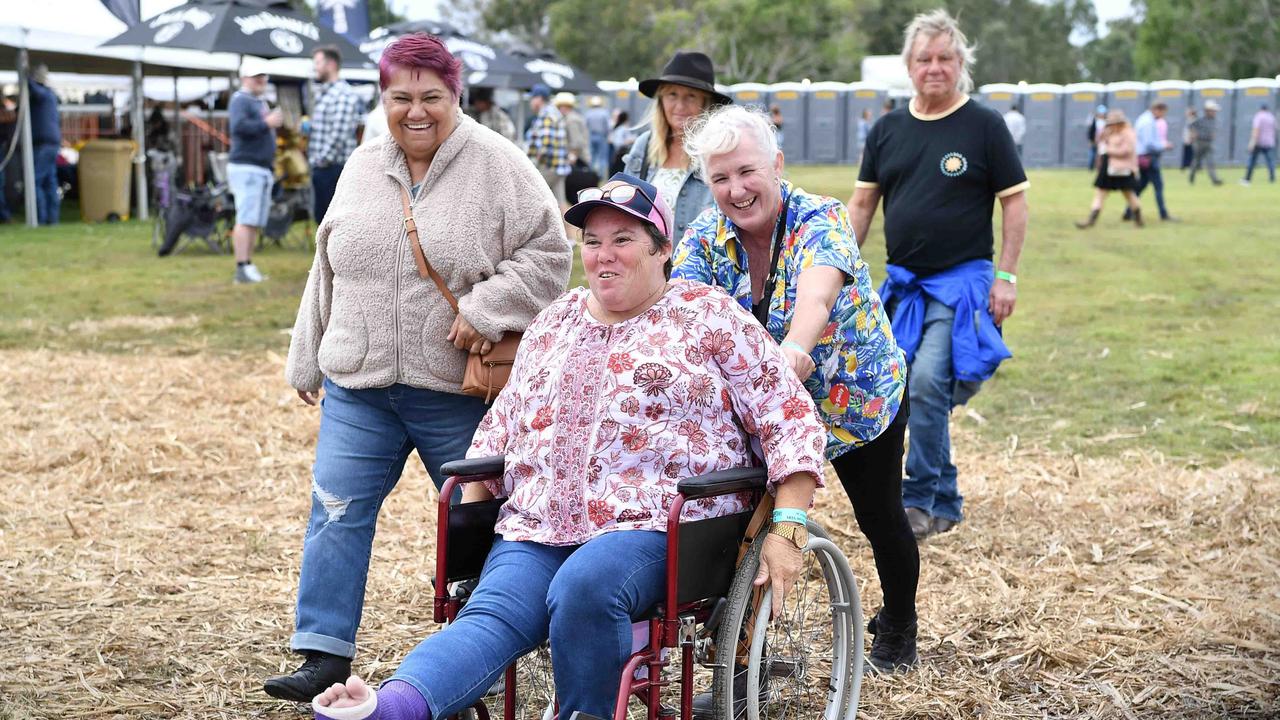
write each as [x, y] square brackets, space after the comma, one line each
[794, 346]
[790, 515]
[1010, 277]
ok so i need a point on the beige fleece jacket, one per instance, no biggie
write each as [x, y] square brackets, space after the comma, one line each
[488, 224]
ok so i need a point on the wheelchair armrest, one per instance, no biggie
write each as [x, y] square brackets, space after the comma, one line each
[472, 467]
[723, 482]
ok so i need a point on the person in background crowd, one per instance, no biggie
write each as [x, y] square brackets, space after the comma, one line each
[335, 115]
[940, 164]
[887, 107]
[1017, 125]
[250, 163]
[1203, 133]
[46, 138]
[1188, 149]
[547, 143]
[577, 134]
[1262, 143]
[775, 117]
[1117, 168]
[686, 89]
[1097, 122]
[789, 257]
[8, 122]
[597, 117]
[291, 168]
[621, 138]
[384, 344]
[864, 127]
[1151, 144]
[488, 114]
[375, 124]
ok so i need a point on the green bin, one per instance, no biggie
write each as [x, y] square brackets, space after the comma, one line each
[104, 180]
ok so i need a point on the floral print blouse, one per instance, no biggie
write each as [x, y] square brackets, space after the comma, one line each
[861, 372]
[599, 422]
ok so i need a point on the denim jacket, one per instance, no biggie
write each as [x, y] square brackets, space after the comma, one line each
[695, 195]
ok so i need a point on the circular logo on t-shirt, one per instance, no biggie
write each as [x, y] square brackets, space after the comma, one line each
[953, 164]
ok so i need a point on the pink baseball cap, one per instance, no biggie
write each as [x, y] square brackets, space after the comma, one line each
[629, 194]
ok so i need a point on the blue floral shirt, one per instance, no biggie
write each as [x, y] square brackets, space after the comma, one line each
[861, 372]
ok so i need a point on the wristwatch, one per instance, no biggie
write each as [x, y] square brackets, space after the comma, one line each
[796, 533]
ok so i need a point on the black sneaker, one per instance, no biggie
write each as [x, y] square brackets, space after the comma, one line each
[894, 647]
[314, 676]
[704, 707]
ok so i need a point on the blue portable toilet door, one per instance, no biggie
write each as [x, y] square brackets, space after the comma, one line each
[860, 97]
[826, 125]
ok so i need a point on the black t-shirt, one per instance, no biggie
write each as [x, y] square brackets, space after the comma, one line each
[940, 179]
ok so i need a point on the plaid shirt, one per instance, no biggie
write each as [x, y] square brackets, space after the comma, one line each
[548, 141]
[334, 119]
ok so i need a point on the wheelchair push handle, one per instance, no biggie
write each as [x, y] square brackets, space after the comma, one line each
[472, 467]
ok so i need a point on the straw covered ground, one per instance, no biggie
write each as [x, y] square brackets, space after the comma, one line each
[154, 508]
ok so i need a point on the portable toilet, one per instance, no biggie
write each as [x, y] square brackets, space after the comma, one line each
[1177, 95]
[826, 129]
[1129, 96]
[1251, 95]
[861, 96]
[750, 94]
[1222, 92]
[791, 98]
[1000, 96]
[1042, 106]
[1079, 101]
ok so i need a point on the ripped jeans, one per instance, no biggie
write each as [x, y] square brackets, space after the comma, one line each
[365, 439]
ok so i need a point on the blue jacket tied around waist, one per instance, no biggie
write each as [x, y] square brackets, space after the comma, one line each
[977, 347]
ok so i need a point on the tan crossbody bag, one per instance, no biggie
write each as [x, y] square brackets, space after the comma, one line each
[487, 373]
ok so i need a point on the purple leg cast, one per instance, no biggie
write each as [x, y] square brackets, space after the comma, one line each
[397, 700]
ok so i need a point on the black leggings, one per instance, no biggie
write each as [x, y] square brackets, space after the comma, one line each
[872, 477]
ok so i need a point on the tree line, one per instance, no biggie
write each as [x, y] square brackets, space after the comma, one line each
[769, 41]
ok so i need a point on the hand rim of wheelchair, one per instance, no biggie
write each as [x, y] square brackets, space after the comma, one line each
[844, 686]
[845, 683]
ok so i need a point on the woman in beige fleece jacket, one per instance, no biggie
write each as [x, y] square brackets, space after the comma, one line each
[385, 345]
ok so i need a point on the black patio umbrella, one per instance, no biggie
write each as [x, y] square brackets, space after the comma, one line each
[546, 67]
[265, 28]
[486, 65]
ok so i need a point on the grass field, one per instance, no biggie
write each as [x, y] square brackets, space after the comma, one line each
[1163, 339]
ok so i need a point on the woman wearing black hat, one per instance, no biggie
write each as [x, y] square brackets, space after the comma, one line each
[686, 89]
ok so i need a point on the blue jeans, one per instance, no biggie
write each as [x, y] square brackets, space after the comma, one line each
[583, 598]
[1268, 156]
[365, 438]
[4, 202]
[48, 204]
[931, 477]
[324, 180]
[1152, 175]
[600, 155]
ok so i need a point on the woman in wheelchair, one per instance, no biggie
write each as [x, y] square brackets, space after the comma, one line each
[619, 391]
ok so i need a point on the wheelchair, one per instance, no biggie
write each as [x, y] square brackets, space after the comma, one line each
[803, 665]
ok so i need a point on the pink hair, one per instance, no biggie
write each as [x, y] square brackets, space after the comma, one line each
[420, 51]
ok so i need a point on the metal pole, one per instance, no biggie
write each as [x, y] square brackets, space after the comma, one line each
[28, 151]
[140, 141]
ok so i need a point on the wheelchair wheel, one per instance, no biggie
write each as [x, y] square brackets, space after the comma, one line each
[807, 663]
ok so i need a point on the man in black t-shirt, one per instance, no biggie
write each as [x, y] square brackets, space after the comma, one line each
[940, 163]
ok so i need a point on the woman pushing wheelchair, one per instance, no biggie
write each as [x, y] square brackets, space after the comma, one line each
[619, 391]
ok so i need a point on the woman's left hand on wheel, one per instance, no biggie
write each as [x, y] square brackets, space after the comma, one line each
[464, 336]
[780, 564]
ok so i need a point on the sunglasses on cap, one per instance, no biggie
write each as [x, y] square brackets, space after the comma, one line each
[619, 193]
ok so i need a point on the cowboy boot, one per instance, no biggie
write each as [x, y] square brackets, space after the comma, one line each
[1093, 218]
[1137, 217]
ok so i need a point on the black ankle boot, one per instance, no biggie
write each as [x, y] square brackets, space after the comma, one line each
[894, 646]
[314, 676]
[1093, 218]
[704, 703]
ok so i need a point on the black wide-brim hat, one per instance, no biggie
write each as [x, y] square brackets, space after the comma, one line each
[690, 69]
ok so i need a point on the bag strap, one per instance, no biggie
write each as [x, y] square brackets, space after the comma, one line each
[424, 268]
